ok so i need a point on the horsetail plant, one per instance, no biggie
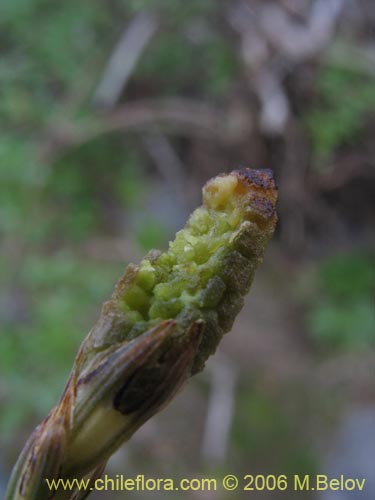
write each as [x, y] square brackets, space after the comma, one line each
[166, 316]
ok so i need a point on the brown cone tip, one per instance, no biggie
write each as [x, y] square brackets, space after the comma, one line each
[258, 178]
[262, 186]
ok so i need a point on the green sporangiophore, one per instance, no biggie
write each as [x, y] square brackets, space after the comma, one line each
[166, 316]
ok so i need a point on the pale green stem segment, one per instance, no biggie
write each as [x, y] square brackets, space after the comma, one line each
[164, 319]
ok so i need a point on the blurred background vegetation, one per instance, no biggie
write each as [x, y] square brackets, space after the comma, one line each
[112, 116]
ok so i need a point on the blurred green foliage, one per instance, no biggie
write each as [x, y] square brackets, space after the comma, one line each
[50, 77]
[52, 55]
[176, 12]
[214, 69]
[194, 55]
[52, 290]
[50, 293]
[342, 314]
[346, 99]
[275, 429]
[64, 293]
[151, 233]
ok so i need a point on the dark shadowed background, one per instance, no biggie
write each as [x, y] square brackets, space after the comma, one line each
[112, 116]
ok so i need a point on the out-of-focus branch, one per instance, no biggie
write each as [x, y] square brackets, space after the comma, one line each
[124, 58]
[220, 410]
[297, 41]
[263, 77]
[275, 109]
[167, 162]
[170, 115]
[353, 57]
[272, 41]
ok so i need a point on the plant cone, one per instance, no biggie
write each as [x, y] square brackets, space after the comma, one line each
[166, 316]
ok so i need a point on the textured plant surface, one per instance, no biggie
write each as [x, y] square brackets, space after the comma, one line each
[165, 317]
